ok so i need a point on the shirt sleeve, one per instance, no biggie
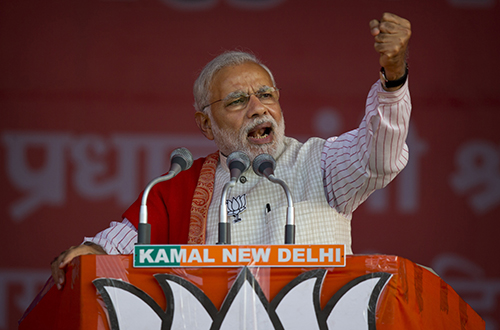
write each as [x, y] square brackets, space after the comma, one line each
[358, 162]
[119, 238]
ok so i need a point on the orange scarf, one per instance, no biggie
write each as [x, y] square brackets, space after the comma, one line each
[201, 200]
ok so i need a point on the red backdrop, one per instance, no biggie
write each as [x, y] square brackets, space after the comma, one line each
[95, 94]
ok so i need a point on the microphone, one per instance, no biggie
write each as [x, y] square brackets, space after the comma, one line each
[264, 165]
[180, 160]
[237, 162]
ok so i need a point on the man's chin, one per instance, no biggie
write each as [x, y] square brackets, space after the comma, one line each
[252, 150]
[274, 149]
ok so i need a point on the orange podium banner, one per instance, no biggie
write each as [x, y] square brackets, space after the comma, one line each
[370, 292]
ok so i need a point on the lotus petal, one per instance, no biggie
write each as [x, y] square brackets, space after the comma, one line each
[191, 307]
[354, 306]
[129, 307]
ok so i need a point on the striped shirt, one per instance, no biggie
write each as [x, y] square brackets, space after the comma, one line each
[354, 164]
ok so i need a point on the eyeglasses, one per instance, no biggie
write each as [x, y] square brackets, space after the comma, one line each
[238, 100]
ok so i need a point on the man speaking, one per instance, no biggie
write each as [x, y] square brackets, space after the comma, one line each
[237, 106]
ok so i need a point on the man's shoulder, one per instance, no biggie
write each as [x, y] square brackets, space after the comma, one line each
[295, 149]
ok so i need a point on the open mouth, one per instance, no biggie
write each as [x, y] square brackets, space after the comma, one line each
[261, 133]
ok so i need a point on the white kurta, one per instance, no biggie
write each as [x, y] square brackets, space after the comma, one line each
[264, 216]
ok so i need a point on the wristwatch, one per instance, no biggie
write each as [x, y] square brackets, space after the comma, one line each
[393, 83]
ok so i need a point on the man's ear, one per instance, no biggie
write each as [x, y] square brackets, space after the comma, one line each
[203, 122]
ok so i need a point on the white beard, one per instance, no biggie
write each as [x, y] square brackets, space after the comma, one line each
[230, 141]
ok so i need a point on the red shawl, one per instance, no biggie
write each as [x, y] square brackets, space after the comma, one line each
[178, 208]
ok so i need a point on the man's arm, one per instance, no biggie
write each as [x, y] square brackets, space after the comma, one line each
[59, 264]
[119, 238]
[365, 159]
[368, 158]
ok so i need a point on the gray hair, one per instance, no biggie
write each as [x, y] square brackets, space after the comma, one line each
[201, 88]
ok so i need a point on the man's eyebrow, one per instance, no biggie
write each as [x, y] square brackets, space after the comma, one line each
[238, 94]
[235, 94]
[264, 88]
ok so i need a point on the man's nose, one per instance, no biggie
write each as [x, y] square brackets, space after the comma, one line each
[255, 108]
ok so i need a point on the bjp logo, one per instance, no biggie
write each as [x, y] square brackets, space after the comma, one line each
[296, 306]
[235, 206]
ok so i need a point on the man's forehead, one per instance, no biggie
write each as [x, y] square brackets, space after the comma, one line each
[244, 77]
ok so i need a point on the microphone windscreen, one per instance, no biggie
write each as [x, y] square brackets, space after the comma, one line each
[183, 157]
[261, 162]
[238, 160]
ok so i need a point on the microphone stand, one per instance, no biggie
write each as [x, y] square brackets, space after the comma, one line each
[290, 210]
[181, 159]
[264, 164]
[144, 228]
[224, 224]
[237, 163]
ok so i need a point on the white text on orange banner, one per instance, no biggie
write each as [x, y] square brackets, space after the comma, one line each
[239, 255]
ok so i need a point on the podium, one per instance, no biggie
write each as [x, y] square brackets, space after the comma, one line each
[370, 292]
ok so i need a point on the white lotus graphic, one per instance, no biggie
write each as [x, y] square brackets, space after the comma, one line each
[297, 305]
[235, 206]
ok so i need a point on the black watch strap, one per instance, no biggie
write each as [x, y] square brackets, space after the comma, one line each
[393, 83]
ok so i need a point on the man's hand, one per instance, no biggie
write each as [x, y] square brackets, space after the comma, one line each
[392, 34]
[59, 264]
